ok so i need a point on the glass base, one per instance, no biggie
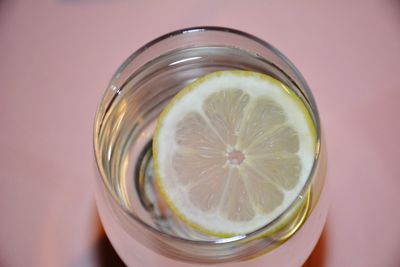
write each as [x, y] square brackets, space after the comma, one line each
[293, 252]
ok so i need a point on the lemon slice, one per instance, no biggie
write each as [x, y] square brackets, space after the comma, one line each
[232, 151]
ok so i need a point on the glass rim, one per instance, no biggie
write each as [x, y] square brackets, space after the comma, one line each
[308, 97]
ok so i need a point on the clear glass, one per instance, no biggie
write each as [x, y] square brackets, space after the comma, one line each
[134, 216]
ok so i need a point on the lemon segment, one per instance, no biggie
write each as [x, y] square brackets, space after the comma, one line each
[232, 151]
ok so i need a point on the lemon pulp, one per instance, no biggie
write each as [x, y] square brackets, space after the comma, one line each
[232, 151]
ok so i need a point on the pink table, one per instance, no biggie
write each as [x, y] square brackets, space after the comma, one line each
[56, 57]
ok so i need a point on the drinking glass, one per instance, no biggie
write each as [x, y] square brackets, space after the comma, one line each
[139, 224]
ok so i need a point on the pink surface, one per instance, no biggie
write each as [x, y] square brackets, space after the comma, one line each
[56, 58]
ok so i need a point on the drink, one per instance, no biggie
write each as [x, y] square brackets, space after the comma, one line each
[123, 142]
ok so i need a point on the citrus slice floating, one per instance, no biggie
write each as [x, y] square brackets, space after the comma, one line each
[232, 151]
